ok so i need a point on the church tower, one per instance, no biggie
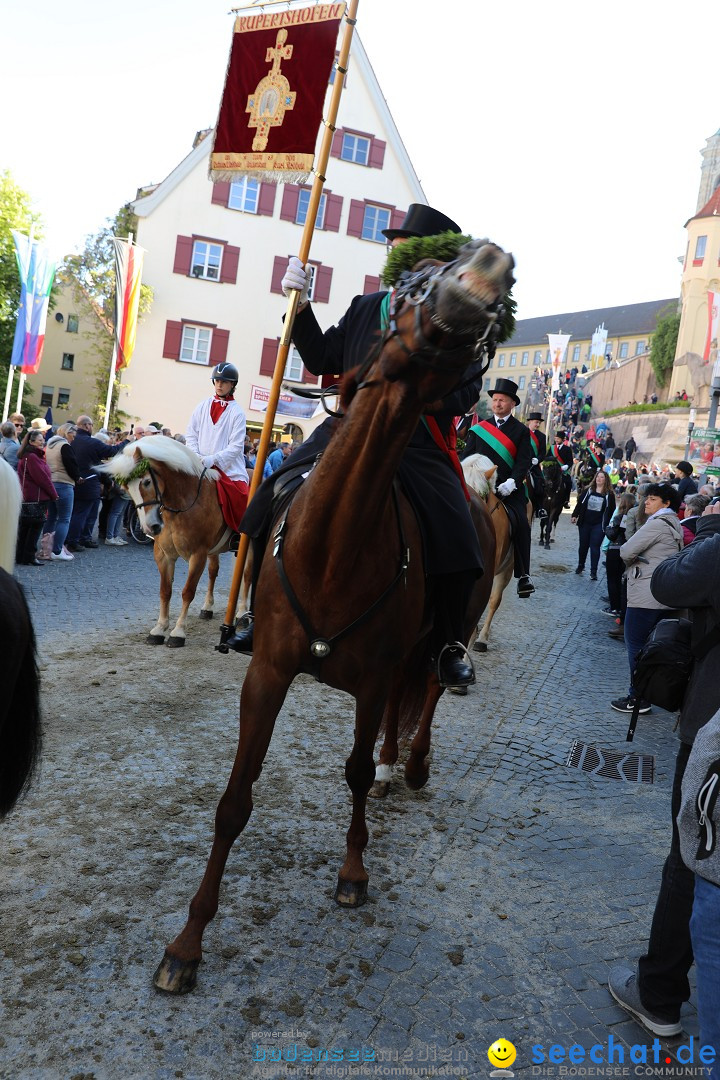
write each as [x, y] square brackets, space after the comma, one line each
[709, 171]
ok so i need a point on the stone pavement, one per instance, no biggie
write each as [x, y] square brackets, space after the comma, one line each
[499, 896]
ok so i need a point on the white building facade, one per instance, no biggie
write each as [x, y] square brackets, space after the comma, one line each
[215, 254]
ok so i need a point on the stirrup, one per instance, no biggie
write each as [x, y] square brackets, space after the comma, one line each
[454, 645]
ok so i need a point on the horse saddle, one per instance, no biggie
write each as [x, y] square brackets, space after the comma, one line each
[288, 481]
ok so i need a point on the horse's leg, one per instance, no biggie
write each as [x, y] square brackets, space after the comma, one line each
[417, 769]
[351, 888]
[262, 696]
[206, 612]
[166, 567]
[195, 568]
[389, 749]
[500, 582]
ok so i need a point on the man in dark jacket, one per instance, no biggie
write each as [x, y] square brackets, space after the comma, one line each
[654, 993]
[630, 448]
[683, 474]
[89, 452]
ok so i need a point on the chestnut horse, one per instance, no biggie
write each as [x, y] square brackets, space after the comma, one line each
[177, 503]
[341, 590]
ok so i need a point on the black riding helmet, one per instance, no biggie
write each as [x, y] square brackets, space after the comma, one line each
[226, 371]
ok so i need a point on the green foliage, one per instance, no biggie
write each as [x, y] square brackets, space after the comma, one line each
[644, 407]
[15, 213]
[664, 345]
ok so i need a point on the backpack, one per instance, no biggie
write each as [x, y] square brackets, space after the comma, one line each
[699, 816]
[664, 665]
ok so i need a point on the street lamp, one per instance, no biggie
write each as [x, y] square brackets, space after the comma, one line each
[691, 425]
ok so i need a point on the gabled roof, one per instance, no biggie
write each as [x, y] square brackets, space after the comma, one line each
[202, 146]
[710, 209]
[581, 325]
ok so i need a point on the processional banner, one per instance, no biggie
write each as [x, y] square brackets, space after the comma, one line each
[598, 347]
[272, 104]
[558, 344]
[37, 271]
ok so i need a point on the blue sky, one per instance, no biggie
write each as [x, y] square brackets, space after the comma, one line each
[568, 134]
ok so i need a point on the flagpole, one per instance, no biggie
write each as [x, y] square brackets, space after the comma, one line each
[293, 299]
[113, 360]
[8, 393]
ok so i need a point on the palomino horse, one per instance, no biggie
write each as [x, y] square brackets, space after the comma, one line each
[479, 472]
[341, 590]
[177, 503]
[20, 734]
[552, 501]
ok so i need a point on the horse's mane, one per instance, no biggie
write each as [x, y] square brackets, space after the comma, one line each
[475, 468]
[160, 448]
[10, 503]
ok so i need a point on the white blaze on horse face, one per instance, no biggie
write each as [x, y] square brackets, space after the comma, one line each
[141, 490]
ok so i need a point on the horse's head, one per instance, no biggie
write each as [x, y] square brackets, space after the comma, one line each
[445, 315]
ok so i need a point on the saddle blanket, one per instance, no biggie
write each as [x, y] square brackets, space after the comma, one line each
[232, 496]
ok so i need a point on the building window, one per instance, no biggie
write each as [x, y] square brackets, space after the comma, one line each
[73, 324]
[303, 205]
[576, 354]
[624, 348]
[293, 366]
[206, 260]
[375, 219]
[501, 360]
[640, 347]
[68, 361]
[486, 384]
[46, 397]
[700, 246]
[63, 397]
[244, 195]
[195, 345]
[355, 148]
[521, 382]
[537, 358]
[513, 359]
[525, 358]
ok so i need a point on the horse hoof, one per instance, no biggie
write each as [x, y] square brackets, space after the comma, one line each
[379, 789]
[206, 614]
[175, 976]
[351, 893]
[416, 778]
[552, 541]
[480, 646]
[154, 639]
[461, 691]
[175, 642]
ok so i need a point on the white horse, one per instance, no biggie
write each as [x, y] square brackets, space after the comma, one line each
[10, 503]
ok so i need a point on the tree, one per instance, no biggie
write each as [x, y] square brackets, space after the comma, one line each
[93, 273]
[664, 345]
[15, 213]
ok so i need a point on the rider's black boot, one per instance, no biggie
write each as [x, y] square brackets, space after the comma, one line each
[242, 640]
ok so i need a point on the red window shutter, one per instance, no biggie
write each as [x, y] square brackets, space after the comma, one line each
[356, 217]
[229, 265]
[288, 209]
[308, 377]
[328, 380]
[220, 193]
[337, 142]
[269, 355]
[218, 346]
[279, 267]
[266, 200]
[372, 284]
[333, 210]
[183, 255]
[398, 216]
[377, 154]
[323, 281]
[173, 339]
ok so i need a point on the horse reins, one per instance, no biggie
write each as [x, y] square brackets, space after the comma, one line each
[159, 501]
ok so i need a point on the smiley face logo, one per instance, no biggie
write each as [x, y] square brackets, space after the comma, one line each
[502, 1053]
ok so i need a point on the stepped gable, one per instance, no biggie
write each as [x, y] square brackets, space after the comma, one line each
[581, 325]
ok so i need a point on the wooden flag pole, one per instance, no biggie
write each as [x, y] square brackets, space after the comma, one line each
[293, 301]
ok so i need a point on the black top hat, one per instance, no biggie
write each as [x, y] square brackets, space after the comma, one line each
[561, 435]
[505, 386]
[535, 416]
[421, 220]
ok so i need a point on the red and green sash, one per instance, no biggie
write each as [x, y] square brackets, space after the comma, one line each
[596, 460]
[497, 440]
[557, 455]
[448, 446]
[534, 440]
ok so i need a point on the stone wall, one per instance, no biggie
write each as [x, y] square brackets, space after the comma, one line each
[618, 386]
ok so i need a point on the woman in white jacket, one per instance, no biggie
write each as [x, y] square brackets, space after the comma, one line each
[660, 537]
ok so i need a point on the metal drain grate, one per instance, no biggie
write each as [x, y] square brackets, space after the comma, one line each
[635, 768]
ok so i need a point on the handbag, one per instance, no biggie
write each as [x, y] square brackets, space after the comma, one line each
[612, 532]
[32, 511]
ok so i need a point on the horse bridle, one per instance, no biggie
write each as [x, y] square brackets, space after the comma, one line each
[159, 501]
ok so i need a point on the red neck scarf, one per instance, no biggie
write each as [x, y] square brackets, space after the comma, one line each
[217, 405]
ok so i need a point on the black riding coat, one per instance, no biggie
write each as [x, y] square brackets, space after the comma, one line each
[451, 543]
[542, 441]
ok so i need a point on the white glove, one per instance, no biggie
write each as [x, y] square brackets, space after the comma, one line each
[535, 461]
[208, 461]
[296, 277]
[564, 468]
[507, 488]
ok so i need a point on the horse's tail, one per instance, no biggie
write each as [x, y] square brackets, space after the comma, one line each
[10, 503]
[20, 730]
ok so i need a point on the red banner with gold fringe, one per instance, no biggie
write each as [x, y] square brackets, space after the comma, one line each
[272, 104]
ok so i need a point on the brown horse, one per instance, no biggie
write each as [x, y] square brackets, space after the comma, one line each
[177, 504]
[330, 603]
[479, 477]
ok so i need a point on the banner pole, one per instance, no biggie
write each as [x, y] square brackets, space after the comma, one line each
[21, 387]
[341, 66]
[8, 393]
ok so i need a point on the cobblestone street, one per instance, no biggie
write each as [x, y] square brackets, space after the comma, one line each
[499, 896]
